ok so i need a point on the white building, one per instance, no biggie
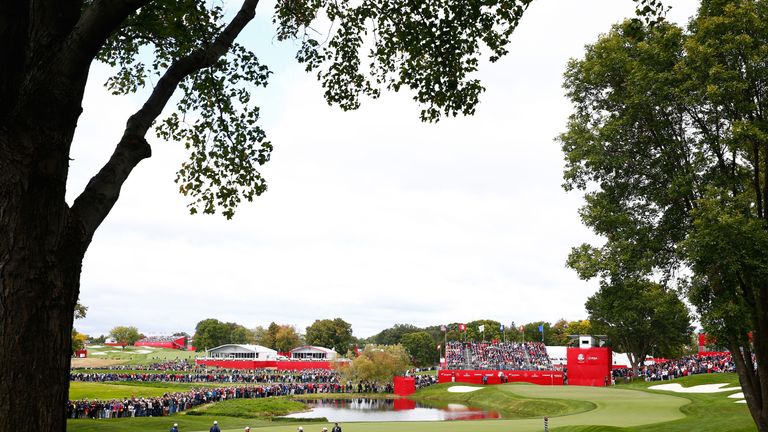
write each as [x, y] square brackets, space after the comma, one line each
[313, 353]
[241, 352]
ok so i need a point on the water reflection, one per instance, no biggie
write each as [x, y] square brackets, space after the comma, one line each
[362, 409]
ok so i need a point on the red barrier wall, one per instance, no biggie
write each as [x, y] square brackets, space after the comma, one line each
[589, 366]
[476, 376]
[404, 386]
[238, 364]
[301, 365]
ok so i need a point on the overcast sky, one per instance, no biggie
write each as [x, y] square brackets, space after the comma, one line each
[370, 216]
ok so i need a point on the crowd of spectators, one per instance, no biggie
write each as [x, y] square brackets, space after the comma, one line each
[684, 366]
[202, 375]
[159, 338]
[168, 365]
[425, 380]
[171, 403]
[498, 356]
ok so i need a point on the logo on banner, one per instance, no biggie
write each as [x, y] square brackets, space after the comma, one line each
[580, 357]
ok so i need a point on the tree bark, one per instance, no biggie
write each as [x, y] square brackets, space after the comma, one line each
[40, 261]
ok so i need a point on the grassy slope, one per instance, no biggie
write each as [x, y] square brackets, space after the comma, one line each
[251, 408]
[509, 404]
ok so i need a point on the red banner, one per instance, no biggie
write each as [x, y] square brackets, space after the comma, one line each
[404, 386]
[589, 366]
[500, 376]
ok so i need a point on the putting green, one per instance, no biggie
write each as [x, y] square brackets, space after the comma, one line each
[615, 407]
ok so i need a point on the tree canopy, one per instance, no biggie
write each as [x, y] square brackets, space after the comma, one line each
[210, 333]
[125, 335]
[378, 364]
[421, 347]
[335, 334]
[641, 318]
[669, 141]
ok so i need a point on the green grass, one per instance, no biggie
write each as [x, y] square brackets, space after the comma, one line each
[91, 390]
[626, 408]
[509, 404]
[134, 355]
[251, 408]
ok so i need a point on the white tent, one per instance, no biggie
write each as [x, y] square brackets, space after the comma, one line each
[241, 352]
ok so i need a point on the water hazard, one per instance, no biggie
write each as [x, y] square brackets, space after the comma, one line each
[388, 410]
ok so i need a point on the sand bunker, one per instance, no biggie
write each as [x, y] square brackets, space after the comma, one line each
[739, 395]
[142, 351]
[97, 353]
[704, 388]
[95, 346]
[462, 389]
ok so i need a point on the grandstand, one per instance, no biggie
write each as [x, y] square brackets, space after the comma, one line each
[171, 342]
[526, 356]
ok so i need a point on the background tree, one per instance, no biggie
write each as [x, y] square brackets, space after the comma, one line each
[492, 330]
[270, 336]
[560, 332]
[287, 338]
[335, 334]
[421, 348]
[581, 327]
[669, 136]
[125, 335]
[210, 333]
[258, 335]
[78, 340]
[641, 318]
[532, 333]
[431, 48]
[394, 334]
[377, 363]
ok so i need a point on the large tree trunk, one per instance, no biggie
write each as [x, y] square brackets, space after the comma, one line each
[40, 261]
[749, 378]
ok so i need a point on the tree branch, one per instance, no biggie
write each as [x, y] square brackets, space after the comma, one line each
[97, 22]
[101, 193]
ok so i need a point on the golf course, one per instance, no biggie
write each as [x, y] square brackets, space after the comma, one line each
[625, 407]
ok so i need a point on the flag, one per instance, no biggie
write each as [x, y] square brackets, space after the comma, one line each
[443, 328]
[522, 329]
[501, 327]
[541, 328]
[462, 327]
[481, 328]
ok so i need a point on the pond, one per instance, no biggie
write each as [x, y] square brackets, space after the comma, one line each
[388, 410]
